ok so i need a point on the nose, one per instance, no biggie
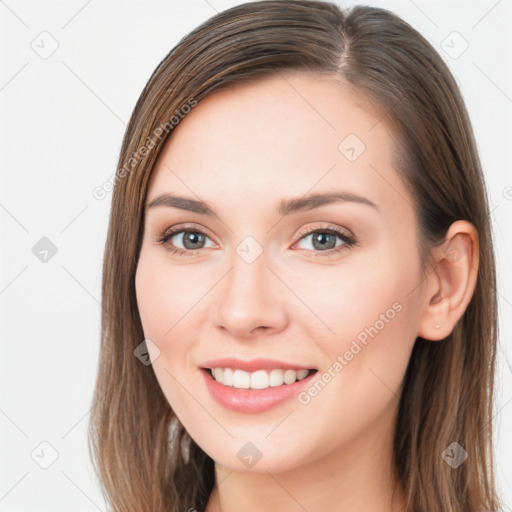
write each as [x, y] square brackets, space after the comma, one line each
[250, 300]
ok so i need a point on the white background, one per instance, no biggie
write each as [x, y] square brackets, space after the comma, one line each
[62, 120]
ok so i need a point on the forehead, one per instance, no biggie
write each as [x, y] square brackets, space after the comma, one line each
[282, 136]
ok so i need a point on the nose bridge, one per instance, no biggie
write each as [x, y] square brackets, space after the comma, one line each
[248, 297]
[249, 270]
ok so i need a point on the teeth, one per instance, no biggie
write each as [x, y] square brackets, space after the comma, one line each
[241, 379]
[227, 376]
[302, 374]
[290, 376]
[276, 378]
[260, 379]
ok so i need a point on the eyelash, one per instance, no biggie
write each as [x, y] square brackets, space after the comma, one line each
[349, 242]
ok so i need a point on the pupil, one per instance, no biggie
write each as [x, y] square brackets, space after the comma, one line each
[321, 238]
[195, 238]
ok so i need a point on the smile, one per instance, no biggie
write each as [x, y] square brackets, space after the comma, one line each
[254, 386]
[260, 379]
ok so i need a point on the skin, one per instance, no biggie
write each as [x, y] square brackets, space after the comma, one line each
[243, 150]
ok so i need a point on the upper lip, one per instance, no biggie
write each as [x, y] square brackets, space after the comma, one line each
[252, 365]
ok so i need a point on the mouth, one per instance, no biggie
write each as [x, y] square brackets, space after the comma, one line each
[255, 391]
[258, 380]
[256, 385]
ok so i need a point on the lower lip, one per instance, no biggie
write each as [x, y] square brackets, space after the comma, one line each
[252, 400]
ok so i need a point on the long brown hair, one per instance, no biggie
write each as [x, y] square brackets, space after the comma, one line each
[135, 441]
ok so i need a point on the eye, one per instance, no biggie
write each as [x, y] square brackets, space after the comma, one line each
[187, 241]
[183, 241]
[324, 240]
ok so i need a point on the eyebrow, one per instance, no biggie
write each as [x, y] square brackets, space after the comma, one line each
[285, 207]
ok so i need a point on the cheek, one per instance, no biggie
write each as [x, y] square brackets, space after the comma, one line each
[166, 296]
[367, 314]
[365, 364]
[150, 299]
[163, 301]
[343, 301]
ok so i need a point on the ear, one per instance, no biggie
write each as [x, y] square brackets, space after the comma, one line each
[451, 283]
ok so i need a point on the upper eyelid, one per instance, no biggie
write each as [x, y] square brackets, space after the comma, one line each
[325, 227]
[173, 231]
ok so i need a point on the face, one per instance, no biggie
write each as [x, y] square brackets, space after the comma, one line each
[289, 271]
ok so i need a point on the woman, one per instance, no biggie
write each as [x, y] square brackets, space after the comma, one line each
[299, 296]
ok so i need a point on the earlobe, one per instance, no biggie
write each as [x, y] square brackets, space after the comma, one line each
[451, 283]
